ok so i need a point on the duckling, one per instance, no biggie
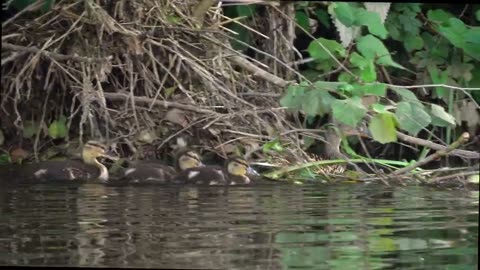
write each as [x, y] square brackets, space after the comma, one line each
[89, 168]
[332, 151]
[234, 172]
[152, 171]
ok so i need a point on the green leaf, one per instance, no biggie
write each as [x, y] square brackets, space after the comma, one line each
[439, 78]
[323, 17]
[30, 128]
[440, 112]
[412, 117]
[382, 127]
[294, 97]
[372, 48]
[245, 10]
[372, 21]
[318, 53]
[345, 13]
[330, 86]
[21, 4]
[439, 16]
[317, 102]
[413, 43]
[273, 145]
[47, 6]
[345, 77]
[349, 111]
[379, 108]
[57, 129]
[477, 15]
[5, 159]
[407, 95]
[376, 89]
[243, 36]
[302, 20]
[394, 31]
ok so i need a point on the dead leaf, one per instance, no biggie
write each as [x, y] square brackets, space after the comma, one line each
[369, 100]
[177, 116]
[18, 154]
[214, 131]
[228, 148]
[146, 136]
[134, 45]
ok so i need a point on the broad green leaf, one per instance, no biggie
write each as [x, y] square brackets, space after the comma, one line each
[439, 16]
[294, 97]
[372, 48]
[394, 31]
[245, 10]
[345, 77]
[376, 89]
[30, 128]
[369, 74]
[382, 127]
[330, 86]
[412, 117]
[349, 111]
[372, 21]
[358, 60]
[5, 159]
[472, 50]
[318, 53]
[317, 102]
[366, 66]
[47, 5]
[57, 129]
[439, 77]
[345, 13]
[302, 20]
[243, 36]
[323, 17]
[440, 112]
[273, 145]
[410, 25]
[379, 108]
[407, 95]
[413, 43]
[347, 88]
[477, 15]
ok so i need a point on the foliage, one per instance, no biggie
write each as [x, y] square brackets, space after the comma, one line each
[415, 39]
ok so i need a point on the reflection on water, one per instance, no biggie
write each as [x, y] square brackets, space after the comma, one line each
[270, 227]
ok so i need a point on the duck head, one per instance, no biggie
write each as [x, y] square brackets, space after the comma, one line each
[93, 150]
[189, 159]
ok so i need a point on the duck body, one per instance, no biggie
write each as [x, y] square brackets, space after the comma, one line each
[232, 173]
[51, 170]
[155, 172]
[152, 172]
[89, 168]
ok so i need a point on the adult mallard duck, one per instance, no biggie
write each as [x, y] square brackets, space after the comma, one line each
[156, 172]
[234, 172]
[89, 168]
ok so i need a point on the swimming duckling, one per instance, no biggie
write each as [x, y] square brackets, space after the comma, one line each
[234, 172]
[89, 168]
[152, 171]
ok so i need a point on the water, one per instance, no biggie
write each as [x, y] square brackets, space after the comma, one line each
[270, 227]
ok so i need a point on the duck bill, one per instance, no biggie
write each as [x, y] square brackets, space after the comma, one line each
[252, 171]
[110, 155]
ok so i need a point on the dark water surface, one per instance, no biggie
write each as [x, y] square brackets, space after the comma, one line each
[269, 227]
